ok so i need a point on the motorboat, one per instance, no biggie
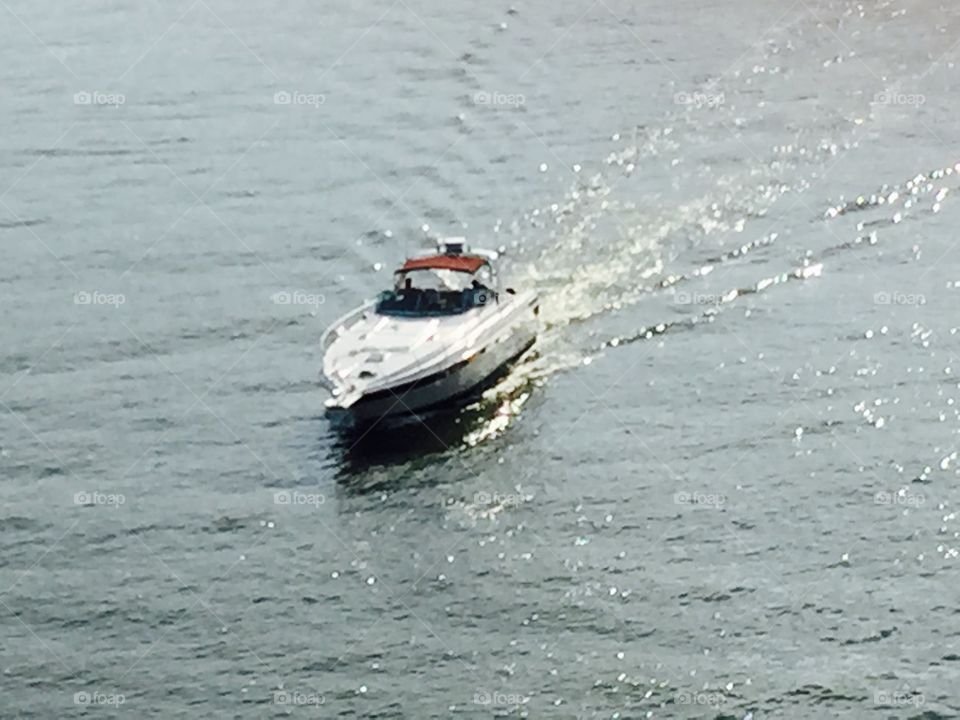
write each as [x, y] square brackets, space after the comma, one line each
[442, 333]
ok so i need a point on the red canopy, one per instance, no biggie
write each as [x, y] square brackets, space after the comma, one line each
[459, 263]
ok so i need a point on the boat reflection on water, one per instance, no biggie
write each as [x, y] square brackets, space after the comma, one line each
[418, 440]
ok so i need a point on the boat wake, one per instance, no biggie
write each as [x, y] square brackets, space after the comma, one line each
[921, 195]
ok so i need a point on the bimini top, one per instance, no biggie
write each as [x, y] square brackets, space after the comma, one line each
[458, 263]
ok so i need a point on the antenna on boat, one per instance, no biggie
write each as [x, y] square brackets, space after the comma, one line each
[452, 246]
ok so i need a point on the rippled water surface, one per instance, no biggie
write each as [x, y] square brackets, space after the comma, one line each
[724, 483]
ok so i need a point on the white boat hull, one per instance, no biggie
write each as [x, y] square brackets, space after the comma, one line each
[462, 375]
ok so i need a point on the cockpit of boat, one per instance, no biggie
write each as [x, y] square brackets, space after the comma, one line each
[439, 285]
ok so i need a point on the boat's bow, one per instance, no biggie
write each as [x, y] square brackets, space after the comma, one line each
[377, 353]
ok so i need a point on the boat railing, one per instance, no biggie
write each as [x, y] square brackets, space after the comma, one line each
[343, 323]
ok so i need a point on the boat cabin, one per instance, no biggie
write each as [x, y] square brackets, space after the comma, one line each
[440, 284]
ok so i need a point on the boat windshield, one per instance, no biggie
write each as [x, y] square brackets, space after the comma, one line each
[429, 292]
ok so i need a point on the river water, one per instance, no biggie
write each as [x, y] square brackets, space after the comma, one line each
[723, 485]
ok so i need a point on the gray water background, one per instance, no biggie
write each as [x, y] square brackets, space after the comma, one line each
[707, 494]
